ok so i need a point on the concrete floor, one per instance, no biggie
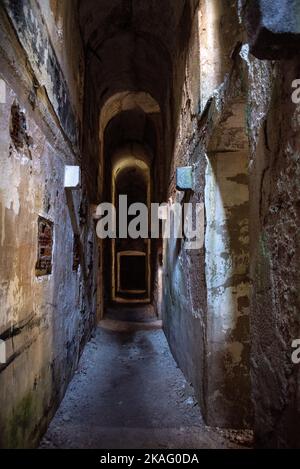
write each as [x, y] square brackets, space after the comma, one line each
[129, 393]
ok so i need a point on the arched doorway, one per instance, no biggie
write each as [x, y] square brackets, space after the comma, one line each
[131, 269]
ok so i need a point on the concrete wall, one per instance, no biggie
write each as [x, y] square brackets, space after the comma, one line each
[227, 281]
[274, 201]
[184, 291]
[206, 297]
[244, 146]
[44, 320]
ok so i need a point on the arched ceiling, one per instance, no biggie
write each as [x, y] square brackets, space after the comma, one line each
[132, 51]
[102, 20]
[131, 174]
[130, 155]
[127, 101]
[131, 43]
[130, 127]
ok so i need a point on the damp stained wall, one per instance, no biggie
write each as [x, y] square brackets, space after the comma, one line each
[44, 320]
[274, 204]
[206, 293]
[268, 309]
[227, 281]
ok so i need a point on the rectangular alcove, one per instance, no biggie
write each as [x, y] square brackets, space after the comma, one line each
[132, 272]
[45, 245]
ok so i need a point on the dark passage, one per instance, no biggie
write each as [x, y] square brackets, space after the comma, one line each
[133, 273]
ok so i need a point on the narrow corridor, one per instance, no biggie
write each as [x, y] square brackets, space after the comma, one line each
[149, 224]
[129, 393]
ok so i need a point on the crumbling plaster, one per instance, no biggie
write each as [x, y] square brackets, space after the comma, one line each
[46, 320]
[200, 320]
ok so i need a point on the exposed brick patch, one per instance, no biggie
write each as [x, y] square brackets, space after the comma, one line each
[45, 244]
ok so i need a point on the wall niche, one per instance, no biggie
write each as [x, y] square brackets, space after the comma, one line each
[45, 245]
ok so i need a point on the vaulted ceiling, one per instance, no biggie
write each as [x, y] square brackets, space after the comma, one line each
[130, 44]
[132, 51]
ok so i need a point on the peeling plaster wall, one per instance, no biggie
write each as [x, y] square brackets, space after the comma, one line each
[44, 321]
[227, 280]
[208, 330]
[33, 34]
[208, 327]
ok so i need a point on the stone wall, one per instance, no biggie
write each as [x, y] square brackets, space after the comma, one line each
[273, 129]
[242, 138]
[45, 318]
[274, 228]
[231, 308]
[206, 297]
[184, 304]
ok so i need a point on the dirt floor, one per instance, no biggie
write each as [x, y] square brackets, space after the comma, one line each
[129, 393]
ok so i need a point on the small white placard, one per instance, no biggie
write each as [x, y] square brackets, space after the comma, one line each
[184, 178]
[72, 177]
